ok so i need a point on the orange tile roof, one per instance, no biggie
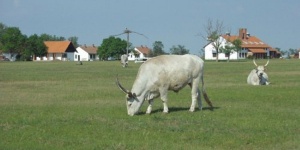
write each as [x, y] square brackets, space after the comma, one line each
[249, 42]
[144, 49]
[90, 49]
[57, 46]
[252, 43]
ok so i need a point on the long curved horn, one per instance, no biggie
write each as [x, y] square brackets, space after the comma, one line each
[254, 62]
[267, 63]
[121, 87]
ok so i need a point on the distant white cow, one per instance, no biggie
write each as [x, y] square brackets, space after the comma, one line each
[124, 60]
[258, 76]
[162, 73]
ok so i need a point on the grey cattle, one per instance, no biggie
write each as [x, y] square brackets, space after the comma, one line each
[258, 76]
[124, 60]
[163, 73]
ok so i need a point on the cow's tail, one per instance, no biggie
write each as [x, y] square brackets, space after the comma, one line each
[205, 94]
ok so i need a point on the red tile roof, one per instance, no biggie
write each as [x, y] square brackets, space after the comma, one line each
[248, 42]
[252, 43]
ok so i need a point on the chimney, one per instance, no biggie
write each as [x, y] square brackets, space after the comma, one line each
[227, 33]
[243, 33]
[84, 45]
[93, 45]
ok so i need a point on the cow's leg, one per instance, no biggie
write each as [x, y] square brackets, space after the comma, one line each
[149, 109]
[199, 99]
[195, 95]
[164, 98]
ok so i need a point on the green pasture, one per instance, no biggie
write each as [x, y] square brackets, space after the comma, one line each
[61, 105]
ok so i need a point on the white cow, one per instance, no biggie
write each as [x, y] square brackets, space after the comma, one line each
[162, 73]
[258, 76]
[124, 60]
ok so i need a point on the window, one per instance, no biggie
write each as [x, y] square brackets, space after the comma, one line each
[214, 54]
[75, 56]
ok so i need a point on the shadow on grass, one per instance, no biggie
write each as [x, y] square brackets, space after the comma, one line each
[175, 109]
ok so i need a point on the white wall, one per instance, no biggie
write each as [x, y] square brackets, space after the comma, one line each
[131, 56]
[209, 50]
[84, 56]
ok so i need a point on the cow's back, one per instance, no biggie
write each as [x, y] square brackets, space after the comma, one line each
[170, 70]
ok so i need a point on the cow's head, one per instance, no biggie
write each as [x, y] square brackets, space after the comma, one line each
[260, 71]
[132, 102]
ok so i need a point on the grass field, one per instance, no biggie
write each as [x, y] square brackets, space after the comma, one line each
[61, 105]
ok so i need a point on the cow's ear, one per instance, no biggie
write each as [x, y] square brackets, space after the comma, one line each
[130, 95]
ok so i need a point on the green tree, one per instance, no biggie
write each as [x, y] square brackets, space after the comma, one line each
[2, 30]
[229, 47]
[293, 51]
[179, 50]
[13, 41]
[237, 43]
[158, 47]
[74, 40]
[282, 52]
[36, 46]
[112, 47]
[47, 37]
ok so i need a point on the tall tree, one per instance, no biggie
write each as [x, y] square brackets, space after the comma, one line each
[112, 47]
[237, 43]
[158, 48]
[212, 34]
[36, 46]
[2, 29]
[74, 40]
[47, 37]
[13, 40]
[179, 50]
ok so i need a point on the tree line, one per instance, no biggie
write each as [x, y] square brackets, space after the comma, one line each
[115, 47]
[14, 42]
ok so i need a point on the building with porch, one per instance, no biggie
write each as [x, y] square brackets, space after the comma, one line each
[251, 47]
[58, 50]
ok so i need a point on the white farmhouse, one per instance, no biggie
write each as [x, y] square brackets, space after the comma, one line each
[86, 53]
[58, 50]
[251, 46]
[139, 53]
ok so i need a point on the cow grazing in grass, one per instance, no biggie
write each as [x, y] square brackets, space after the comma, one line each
[124, 60]
[163, 73]
[258, 76]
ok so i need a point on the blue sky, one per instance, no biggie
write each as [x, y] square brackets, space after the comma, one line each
[174, 22]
